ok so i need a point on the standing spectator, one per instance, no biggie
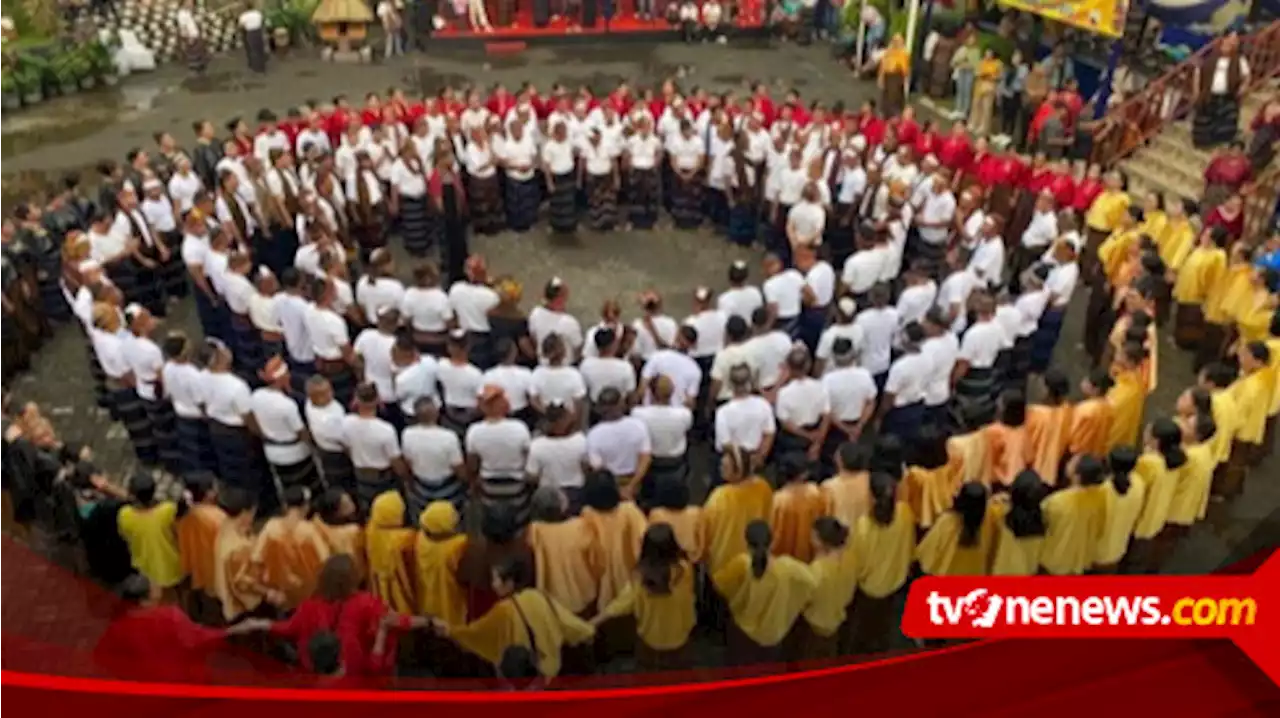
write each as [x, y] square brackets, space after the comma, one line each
[192, 38]
[984, 93]
[391, 28]
[964, 70]
[1059, 69]
[1013, 82]
[1221, 82]
[255, 38]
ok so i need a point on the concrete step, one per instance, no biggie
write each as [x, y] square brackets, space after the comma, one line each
[1145, 173]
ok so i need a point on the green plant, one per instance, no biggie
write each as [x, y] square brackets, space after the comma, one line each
[292, 15]
[97, 59]
[66, 67]
[28, 78]
[8, 82]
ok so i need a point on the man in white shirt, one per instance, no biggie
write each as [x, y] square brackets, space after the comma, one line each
[817, 294]
[324, 418]
[843, 327]
[434, 456]
[473, 298]
[1040, 233]
[228, 403]
[988, 257]
[620, 445]
[378, 288]
[669, 423]
[736, 352]
[285, 440]
[953, 295]
[330, 341]
[606, 370]
[559, 457]
[803, 408]
[937, 211]
[768, 348]
[497, 451]
[653, 331]
[374, 449]
[918, 294]
[515, 380]
[902, 404]
[974, 377]
[740, 299]
[745, 421]
[551, 317]
[878, 325]
[851, 391]
[942, 348]
[684, 372]
[783, 293]
[863, 268]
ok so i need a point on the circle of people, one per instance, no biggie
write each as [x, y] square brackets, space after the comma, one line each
[888, 400]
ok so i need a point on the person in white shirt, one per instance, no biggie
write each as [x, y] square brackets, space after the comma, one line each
[942, 348]
[768, 349]
[709, 323]
[520, 158]
[740, 299]
[783, 293]
[324, 417]
[153, 440]
[862, 270]
[1039, 235]
[427, 310]
[559, 168]
[497, 451]
[1030, 307]
[255, 39]
[953, 295]
[435, 458]
[668, 422]
[843, 327]
[641, 159]
[606, 370]
[806, 220]
[556, 381]
[902, 403]
[559, 457]
[1060, 284]
[745, 422]
[736, 351]
[372, 349]
[473, 299]
[803, 408]
[184, 185]
[162, 217]
[285, 440]
[620, 445]
[460, 382]
[409, 201]
[515, 380]
[228, 406]
[653, 331]
[816, 296]
[413, 376]
[182, 384]
[675, 363]
[599, 177]
[687, 157]
[378, 289]
[484, 190]
[291, 309]
[878, 325]
[918, 294]
[367, 205]
[551, 317]
[852, 393]
[988, 257]
[374, 448]
[937, 213]
[974, 377]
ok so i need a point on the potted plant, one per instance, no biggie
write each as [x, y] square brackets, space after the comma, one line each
[102, 66]
[290, 21]
[30, 83]
[10, 97]
[65, 72]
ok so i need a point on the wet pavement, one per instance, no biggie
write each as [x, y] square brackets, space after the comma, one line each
[71, 134]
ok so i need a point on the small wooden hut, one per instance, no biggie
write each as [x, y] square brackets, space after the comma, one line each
[343, 24]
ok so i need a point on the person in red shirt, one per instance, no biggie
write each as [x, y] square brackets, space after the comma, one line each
[872, 126]
[1226, 174]
[1042, 115]
[1061, 184]
[416, 110]
[906, 127]
[371, 115]
[799, 114]
[985, 168]
[355, 617]
[336, 122]
[500, 100]
[955, 151]
[397, 100]
[621, 99]
[240, 134]
[927, 141]
[763, 103]
[1087, 189]
[1069, 97]
[1006, 175]
[293, 124]
[1035, 180]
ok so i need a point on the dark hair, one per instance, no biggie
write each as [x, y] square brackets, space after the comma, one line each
[1056, 384]
[884, 497]
[759, 540]
[853, 456]
[499, 524]
[1259, 351]
[518, 666]
[760, 318]
[199, 484]
[1024, 517]
[134, 589]
[326, 505]
[1220, 374]
[1013, 408]
[339, 578]
[1090, 470]
[600, 491]
[831, 532]
[516, 569]
[1122, 461]
[888, 456]
[659, 553]
[325, 651]
[736, 328]
[671, 493]
[971, 504]
[1202, 400]
[1169, 442]
[1101, 380]
[1205, 427]
[294, 497]
[738, 273]
[143, 488]
[792, 466]
[929, 450]
[605, 337]
[173, 345]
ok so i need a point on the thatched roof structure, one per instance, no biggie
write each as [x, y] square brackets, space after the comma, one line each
[336, 11]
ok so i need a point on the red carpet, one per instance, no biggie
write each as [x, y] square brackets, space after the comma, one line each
[523, 27]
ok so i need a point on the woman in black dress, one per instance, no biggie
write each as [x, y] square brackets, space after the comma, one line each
[449, 204]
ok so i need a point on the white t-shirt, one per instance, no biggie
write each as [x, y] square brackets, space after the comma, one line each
[914, 302]
[328, 332]
[544, 322]
[1061, 283]
[325, 424]
[643, 151]
[281, 422]
[729, 357]
[501, 446]
[740, 301]
[645, 343]
[744, 422]
[460, 384]
[710, 327]
[942, 351]
[681, 369]
[426, 310]
[878, 328]
[558, 460]
[291, 313]
[145, 361]
[472, 303]
[821, 279]
[515, 381]
[668, 428]
[907, 379]
[827, 342]
[557, 384]
[558, 157]
[617, 445]
[1042, 230]
[784, 289]
[374, 348]
[808, 220]
[184, 387]
[770, 351]
[939, 207]
[863, 268]
[982, 344]
[374, 294]
[600, 373]
[849, 389]
[414, 382]
[372, 442]
[226, 398]
[432, 453]
[802, 402]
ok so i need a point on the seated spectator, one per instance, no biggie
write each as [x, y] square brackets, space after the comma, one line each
[714, 22]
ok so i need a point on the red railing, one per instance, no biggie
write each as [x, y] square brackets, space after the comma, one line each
[1130, 124]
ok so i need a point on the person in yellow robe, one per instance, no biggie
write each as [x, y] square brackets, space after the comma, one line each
[969, 453]
[1220, 305]
[765, 595]
[661, 598]
[566, 555]
[1020, 527]
[1216, 379]
[671, 506]
[1160, 467]
[1105, 214]
[197, 533]
[237, 580]
[929, 483]
[436, 554]
[836, 572]
[1253, 312]
[336, 518]
[1127, 397]
[1154, 218]
[291, 550]
[1077, 519]
[1092, 416]
[526, 618]
[1177, 240]
[884, 544]
[1126, 492]
[796, 504]
[1190, 499]
[616, 528]
[962, 541]
[893, 76]
[1251, 394]
[847, 495]
[147, 527]
[1118, 246]
[388, 548]
[1273, 413]
[1007, 438]
[1198, 275]
[1048, 426]
[743, 498]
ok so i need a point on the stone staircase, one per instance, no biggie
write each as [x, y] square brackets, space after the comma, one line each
[1171, 164]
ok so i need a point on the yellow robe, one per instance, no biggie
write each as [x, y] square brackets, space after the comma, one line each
[553, 626]
[436, 561]
[344, 539]
[663, 621]
[969, 457]
[291, 552]
[1048, 428]
[836, 575]
[1199, 274]
[197, 534]
[727, 512]
[895, 60]
[1154, 224]
[1014, 555]
[616, 536]
[1251, 394]
[766, 608]
[795, 506]
[940, 552]
[237, 580]
[1274, 345]
[1127, 399]
[388, 546]
[930, 492]
[883, 553]
[1162, 483]
[1114, 251]
[1176, 242]
[1227, 293]
[1226, 417]
[1253, 315]
[1091, 428]
[1075, 522]
[153, 543]
[568, 560]
[689, 526]
[1122, 516]
[847, 497]
[1009, 452]
[1191, 494]
[1106, 210]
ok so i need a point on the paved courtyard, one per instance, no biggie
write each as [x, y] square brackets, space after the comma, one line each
[69, 135]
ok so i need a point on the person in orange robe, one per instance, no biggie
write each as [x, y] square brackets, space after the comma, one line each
[291, 550]
[1127, 396]
[197, 533]
[1092, 416]
[1049, 426]
[566, 555]
[237, 579]
[671, 506]
[743, 498]
[795, 507]
[336, 519]
[1007, 438]
[969, 451]
[847, 495]
[929, 485]
[617, 528]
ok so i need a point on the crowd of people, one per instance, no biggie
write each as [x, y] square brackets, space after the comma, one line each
[510, 487]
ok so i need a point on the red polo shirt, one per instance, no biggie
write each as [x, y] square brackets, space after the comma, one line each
[956, 152]
[908, 131]
[1063, 189]
[1086, 191]
[620, 102]
[926, 144]
[873, 128]
[989, 170]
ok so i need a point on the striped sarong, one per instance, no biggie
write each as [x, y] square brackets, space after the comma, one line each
[415, 225]
[336, 469]
[563, 206]
[643, 195]
[165, 432]
[130, 410]
[196, 445]
[238, 457]
[512, 491]
[522, 200]
[421, 493]
[487, 215]
[686, 202]
[602, 202]
[370, 483]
